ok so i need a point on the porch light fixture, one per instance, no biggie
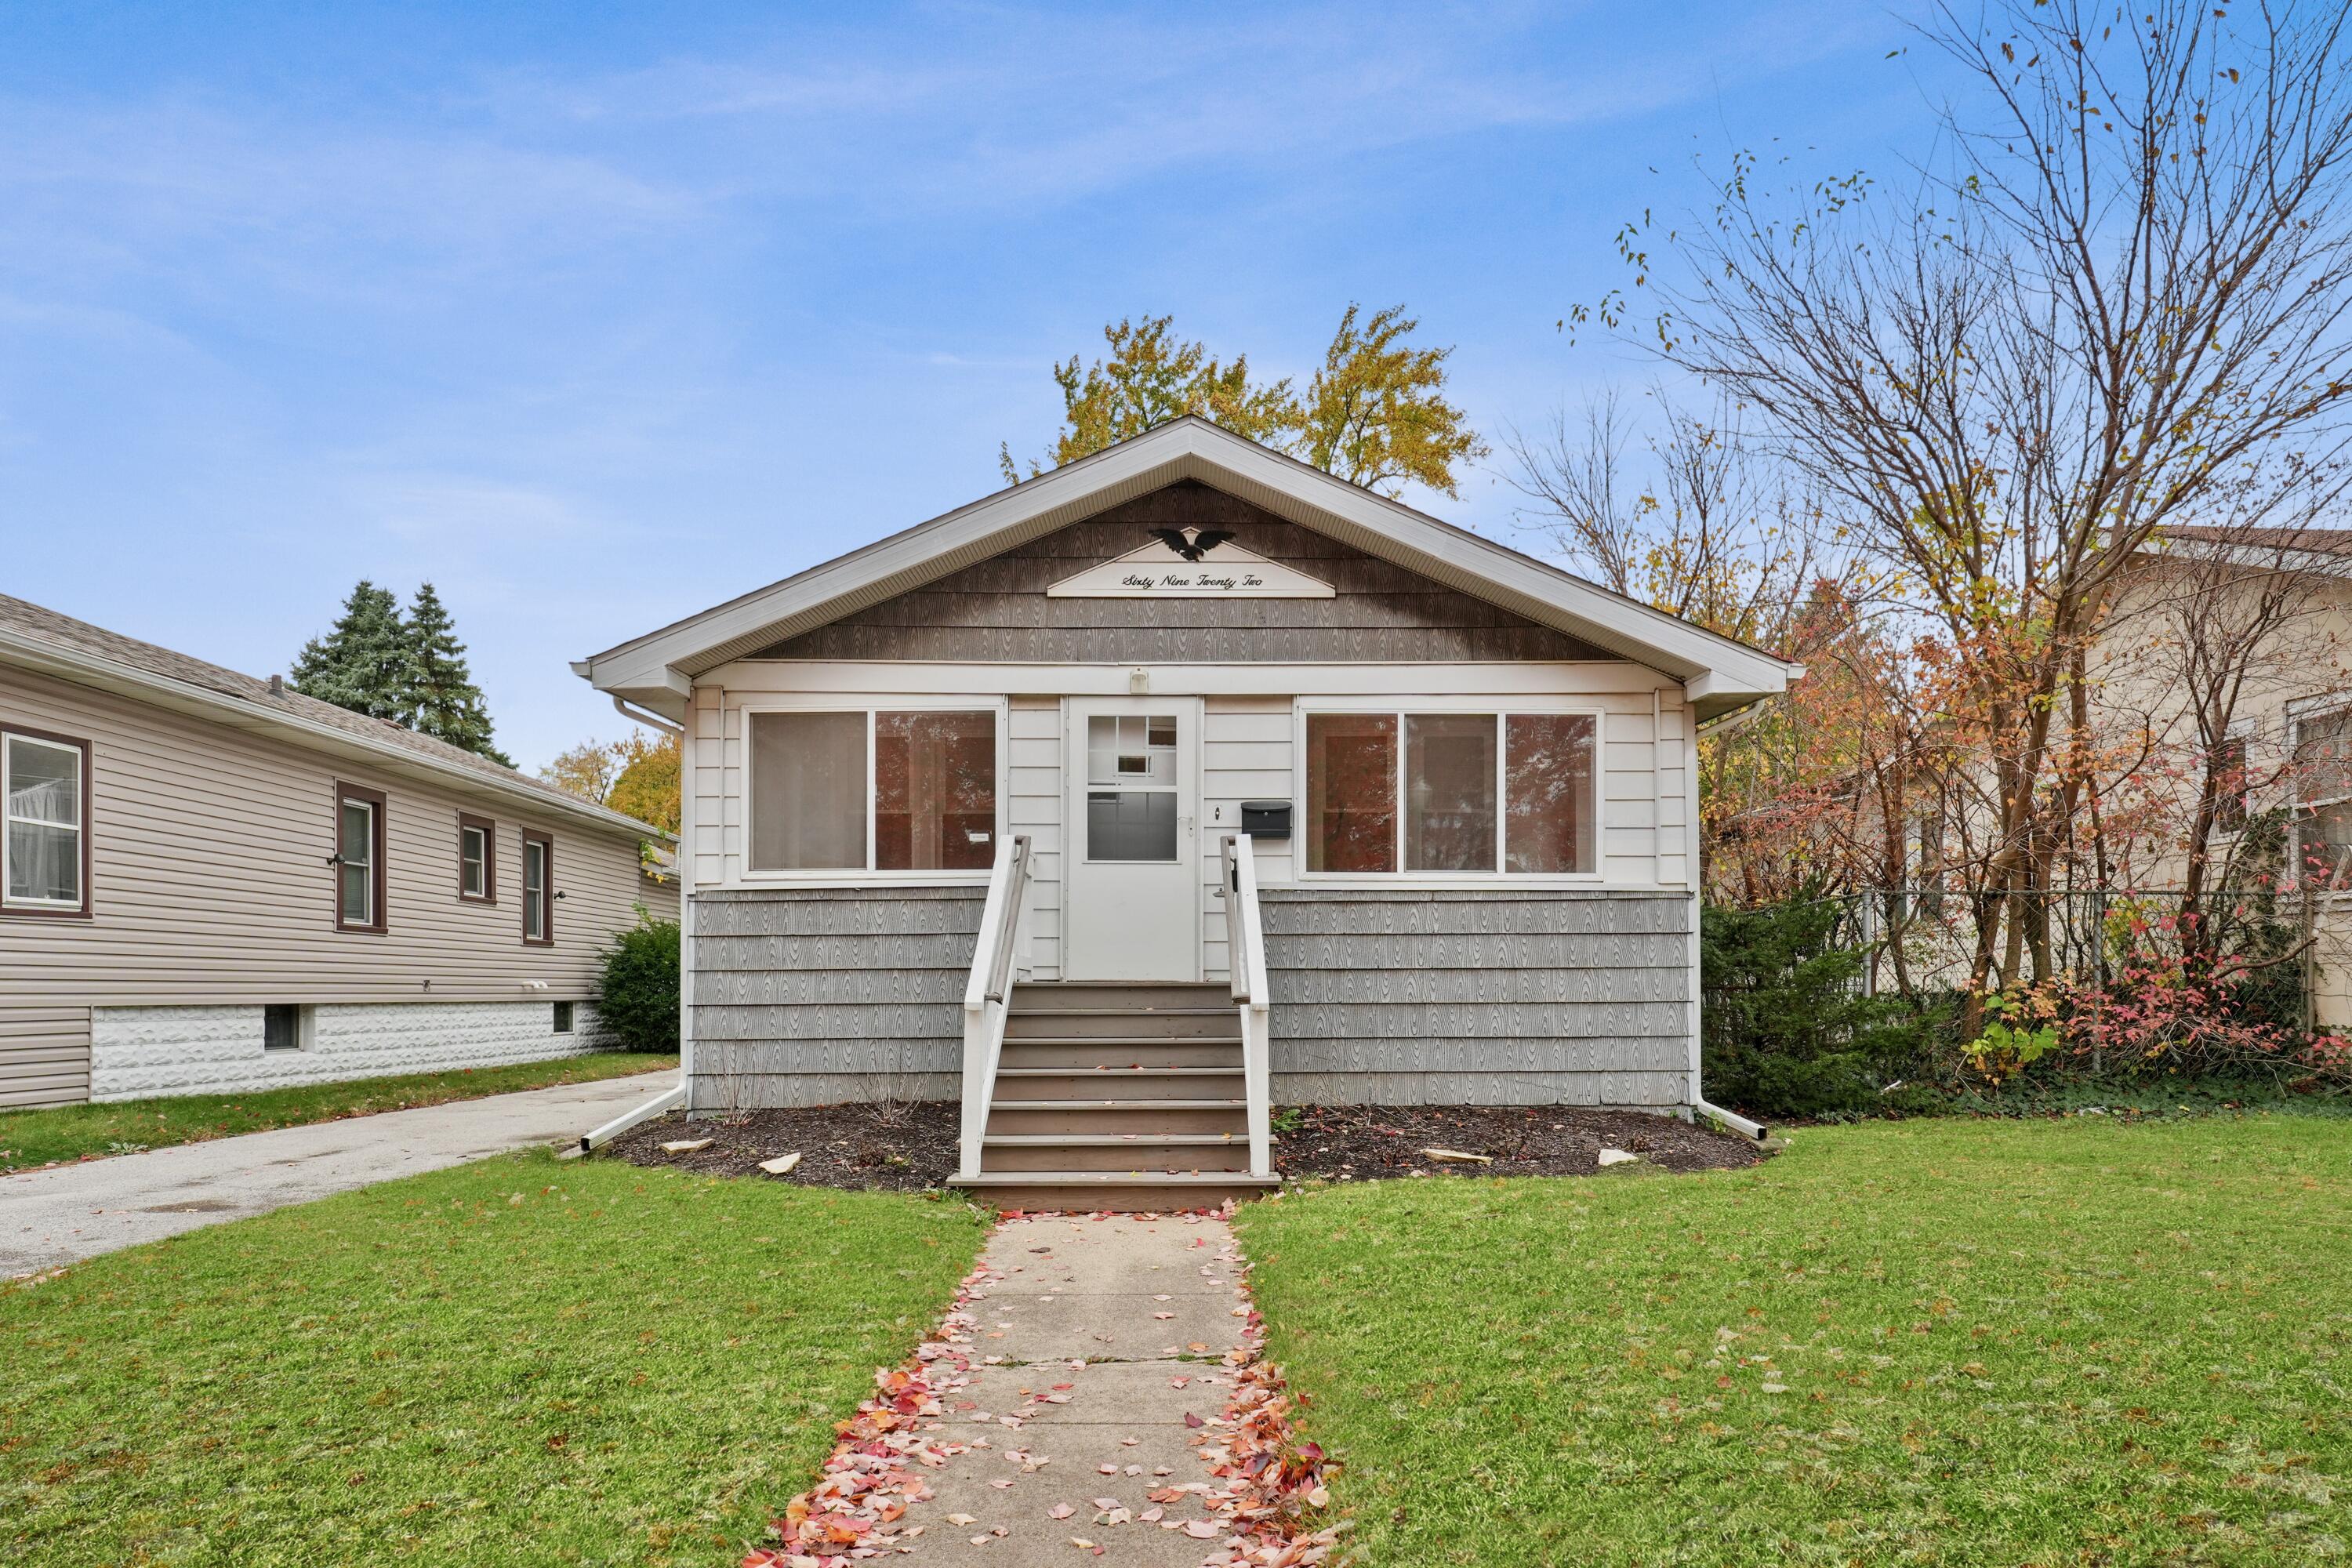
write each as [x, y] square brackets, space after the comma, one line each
[1138, 682]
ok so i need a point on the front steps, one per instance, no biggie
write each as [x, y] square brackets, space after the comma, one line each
[1117, 1095]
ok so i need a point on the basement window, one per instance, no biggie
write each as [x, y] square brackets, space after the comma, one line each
[564, 1017]
[286, 1027]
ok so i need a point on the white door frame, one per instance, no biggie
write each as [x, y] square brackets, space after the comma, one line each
[1078, 963]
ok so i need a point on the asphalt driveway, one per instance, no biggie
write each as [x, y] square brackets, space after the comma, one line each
[71, 1212]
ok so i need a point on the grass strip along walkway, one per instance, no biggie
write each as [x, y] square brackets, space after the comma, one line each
[31, 1138]
[1933, 1342]
[515, 1361]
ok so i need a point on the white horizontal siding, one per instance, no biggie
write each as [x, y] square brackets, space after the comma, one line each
[1034, 743]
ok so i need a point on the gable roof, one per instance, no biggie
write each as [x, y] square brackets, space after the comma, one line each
[657, 671]
[37, 638]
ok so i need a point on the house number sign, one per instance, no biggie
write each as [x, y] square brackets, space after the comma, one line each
[1190, 563]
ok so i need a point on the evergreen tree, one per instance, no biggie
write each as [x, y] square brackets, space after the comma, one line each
[362, 662]
[438, 697]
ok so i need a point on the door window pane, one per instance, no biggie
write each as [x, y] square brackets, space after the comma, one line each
[1351, 794]
[1131, 824]
[1548, 793]
[934, 792]
[1123, 748]
[1449, 792]
[43, 812]
[808, 792]
[357, 879]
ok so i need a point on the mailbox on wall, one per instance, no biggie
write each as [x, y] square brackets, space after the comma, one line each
[1265, 818]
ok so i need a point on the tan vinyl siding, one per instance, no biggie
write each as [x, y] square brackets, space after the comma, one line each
[210, 883]
[43, 1055]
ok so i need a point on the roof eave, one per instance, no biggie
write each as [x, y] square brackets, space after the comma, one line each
[657, 671]
[182, 696]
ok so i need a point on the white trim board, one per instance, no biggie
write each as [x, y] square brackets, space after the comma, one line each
[658, 669]
[1584, 678]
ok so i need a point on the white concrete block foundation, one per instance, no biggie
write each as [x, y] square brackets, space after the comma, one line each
[139, 1052]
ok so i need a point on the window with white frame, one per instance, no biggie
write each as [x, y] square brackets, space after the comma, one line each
[873, 789]
[358, 859]
[538, 876]
[1514, 794]
[44, 807]
[2323, 794]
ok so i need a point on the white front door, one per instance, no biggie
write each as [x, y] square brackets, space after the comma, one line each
[1131, 901]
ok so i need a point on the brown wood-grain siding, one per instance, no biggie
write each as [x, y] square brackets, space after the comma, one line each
[1412, 997]
[210, 886]
[997, 612]
[820, 996]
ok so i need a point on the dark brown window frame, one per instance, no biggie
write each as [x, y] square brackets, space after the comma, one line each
[45, 913]
[490, 832]
[379, 838]
[546, 841]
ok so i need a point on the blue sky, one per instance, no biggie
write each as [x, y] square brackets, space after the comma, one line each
[597, 315]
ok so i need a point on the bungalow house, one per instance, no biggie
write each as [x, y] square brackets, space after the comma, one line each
[210, 882]
[1184, 779]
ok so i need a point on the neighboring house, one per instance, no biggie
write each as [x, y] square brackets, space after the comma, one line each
[209, 882]
[2282, 598]
[1461, 779]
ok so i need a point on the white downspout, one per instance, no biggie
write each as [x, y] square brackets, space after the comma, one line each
[1699, 1107]
[689, 770]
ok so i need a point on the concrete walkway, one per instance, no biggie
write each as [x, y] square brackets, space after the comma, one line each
[1093, 1340]
[69, 1213]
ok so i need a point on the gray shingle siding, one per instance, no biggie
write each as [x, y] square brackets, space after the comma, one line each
[817, 996]
[1384, 996]
[1398, 996]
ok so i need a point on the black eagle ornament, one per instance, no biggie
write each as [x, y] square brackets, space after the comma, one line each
[1191, 543]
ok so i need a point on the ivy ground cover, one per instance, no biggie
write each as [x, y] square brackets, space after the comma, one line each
[517, 1360]
[1935, 1342]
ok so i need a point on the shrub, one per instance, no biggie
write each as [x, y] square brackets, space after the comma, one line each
[1785, 1029]
[637, 997]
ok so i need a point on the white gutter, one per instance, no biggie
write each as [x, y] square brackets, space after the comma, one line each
[54, 659]
[639, 716]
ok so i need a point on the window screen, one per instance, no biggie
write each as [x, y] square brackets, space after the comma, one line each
[808, 792]
[1449, 792]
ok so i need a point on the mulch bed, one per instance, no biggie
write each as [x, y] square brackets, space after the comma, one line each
[902, 1148]
[907, 1148]
[1360, 1143]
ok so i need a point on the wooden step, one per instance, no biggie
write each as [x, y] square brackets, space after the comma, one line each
[1119, 994]
[1122, 1023]
[1111, 1118]
[1091, 1192]
[1087, 1055]
[1124, 1083]
[1144, 1153]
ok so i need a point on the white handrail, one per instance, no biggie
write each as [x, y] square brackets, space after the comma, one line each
[1245, 955]
[987, 994]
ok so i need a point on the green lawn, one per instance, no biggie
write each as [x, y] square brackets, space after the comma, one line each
[71, 1131]
[514, 1362]
[1935, 1342]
